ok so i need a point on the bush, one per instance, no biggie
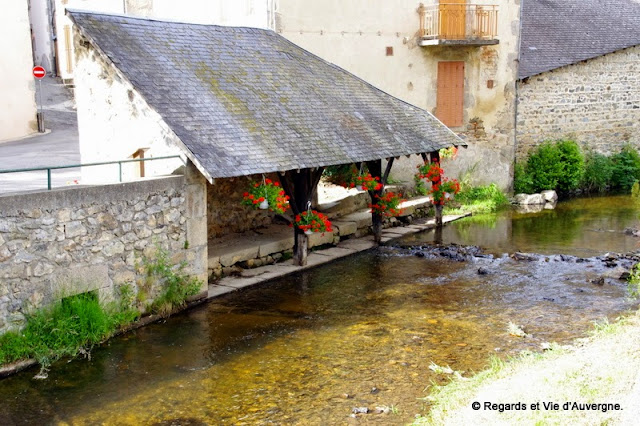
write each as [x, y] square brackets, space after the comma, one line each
[553, 165]
[562, 166]
[598, 170]
[545, 167]
[522, 181]
[572, 162]
[626, 168]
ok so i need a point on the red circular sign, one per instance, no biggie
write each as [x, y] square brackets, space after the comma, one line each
[39, 72]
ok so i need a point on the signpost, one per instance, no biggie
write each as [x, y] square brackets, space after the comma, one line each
[39, 73]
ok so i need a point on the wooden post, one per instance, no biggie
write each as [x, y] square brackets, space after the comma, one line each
[375, 169]
[435, 158]
[300, 186]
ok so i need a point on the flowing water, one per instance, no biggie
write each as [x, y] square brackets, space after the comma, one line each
[360, 332]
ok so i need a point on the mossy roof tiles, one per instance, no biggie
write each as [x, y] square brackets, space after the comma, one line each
[245, 100]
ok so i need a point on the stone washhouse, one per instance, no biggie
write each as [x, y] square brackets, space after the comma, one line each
[237, 103]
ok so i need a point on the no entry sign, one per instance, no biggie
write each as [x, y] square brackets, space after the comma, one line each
[39, 72]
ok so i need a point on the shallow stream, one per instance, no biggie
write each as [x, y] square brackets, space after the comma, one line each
[360, 332]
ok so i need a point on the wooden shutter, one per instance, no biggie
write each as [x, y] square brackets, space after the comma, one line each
[452, 19]
[450, 96]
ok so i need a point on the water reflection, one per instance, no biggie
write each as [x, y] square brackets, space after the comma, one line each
[582, 227]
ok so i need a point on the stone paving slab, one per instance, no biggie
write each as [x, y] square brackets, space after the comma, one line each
[345, 228]
[336, 252]
[361, 218]
[219, 290]
[320, 239]
[249, 245]
[359, 244]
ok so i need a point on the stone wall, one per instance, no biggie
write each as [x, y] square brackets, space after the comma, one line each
[225, 211]
[595, 102]
[59, 243]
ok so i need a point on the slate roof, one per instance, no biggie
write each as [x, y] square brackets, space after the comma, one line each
[562, 32]
[247, 100]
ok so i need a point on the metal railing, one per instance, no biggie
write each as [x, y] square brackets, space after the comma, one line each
[73, 166]
[457, 21]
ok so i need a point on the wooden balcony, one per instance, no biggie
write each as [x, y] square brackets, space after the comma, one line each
[458, 24]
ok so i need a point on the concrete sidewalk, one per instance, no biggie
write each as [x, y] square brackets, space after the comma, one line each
[344, 248]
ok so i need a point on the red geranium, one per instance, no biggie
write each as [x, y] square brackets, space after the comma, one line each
[268, 191]
[387, 205]
[313, 221]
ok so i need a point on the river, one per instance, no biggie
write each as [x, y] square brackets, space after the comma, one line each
[359, 333]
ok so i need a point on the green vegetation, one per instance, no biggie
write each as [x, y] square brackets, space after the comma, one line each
[626, 168]
[563, 167]
[553, 165]
[176, 286]
[73, 325]
[598, 170]
[633, 283]
[342, 174]
[69, 327]
[478, 199]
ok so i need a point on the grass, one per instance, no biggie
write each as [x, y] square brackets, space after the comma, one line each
[602, 368]
[70, 326]
[478, 199]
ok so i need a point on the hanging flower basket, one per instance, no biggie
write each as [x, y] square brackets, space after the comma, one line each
[430, 171]
[266, 195]
[445, 191]
[387, 205]
[367, 183]
[312, 221]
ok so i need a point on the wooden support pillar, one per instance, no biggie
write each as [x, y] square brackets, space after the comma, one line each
[300, 186]
[375, 169]
[435, 158]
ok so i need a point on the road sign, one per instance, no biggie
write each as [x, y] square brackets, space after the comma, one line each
[39, 72]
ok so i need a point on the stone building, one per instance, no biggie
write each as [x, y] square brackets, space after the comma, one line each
[17, 85]
[579, 74]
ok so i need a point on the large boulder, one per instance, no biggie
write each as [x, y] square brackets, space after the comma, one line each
[529, 199]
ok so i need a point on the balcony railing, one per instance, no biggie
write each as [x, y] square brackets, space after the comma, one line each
[451, 23]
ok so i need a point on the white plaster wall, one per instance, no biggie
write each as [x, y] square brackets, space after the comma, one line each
[17, 85]
[114, 121]
[246, 13]
[41, 16]
[355, 34]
